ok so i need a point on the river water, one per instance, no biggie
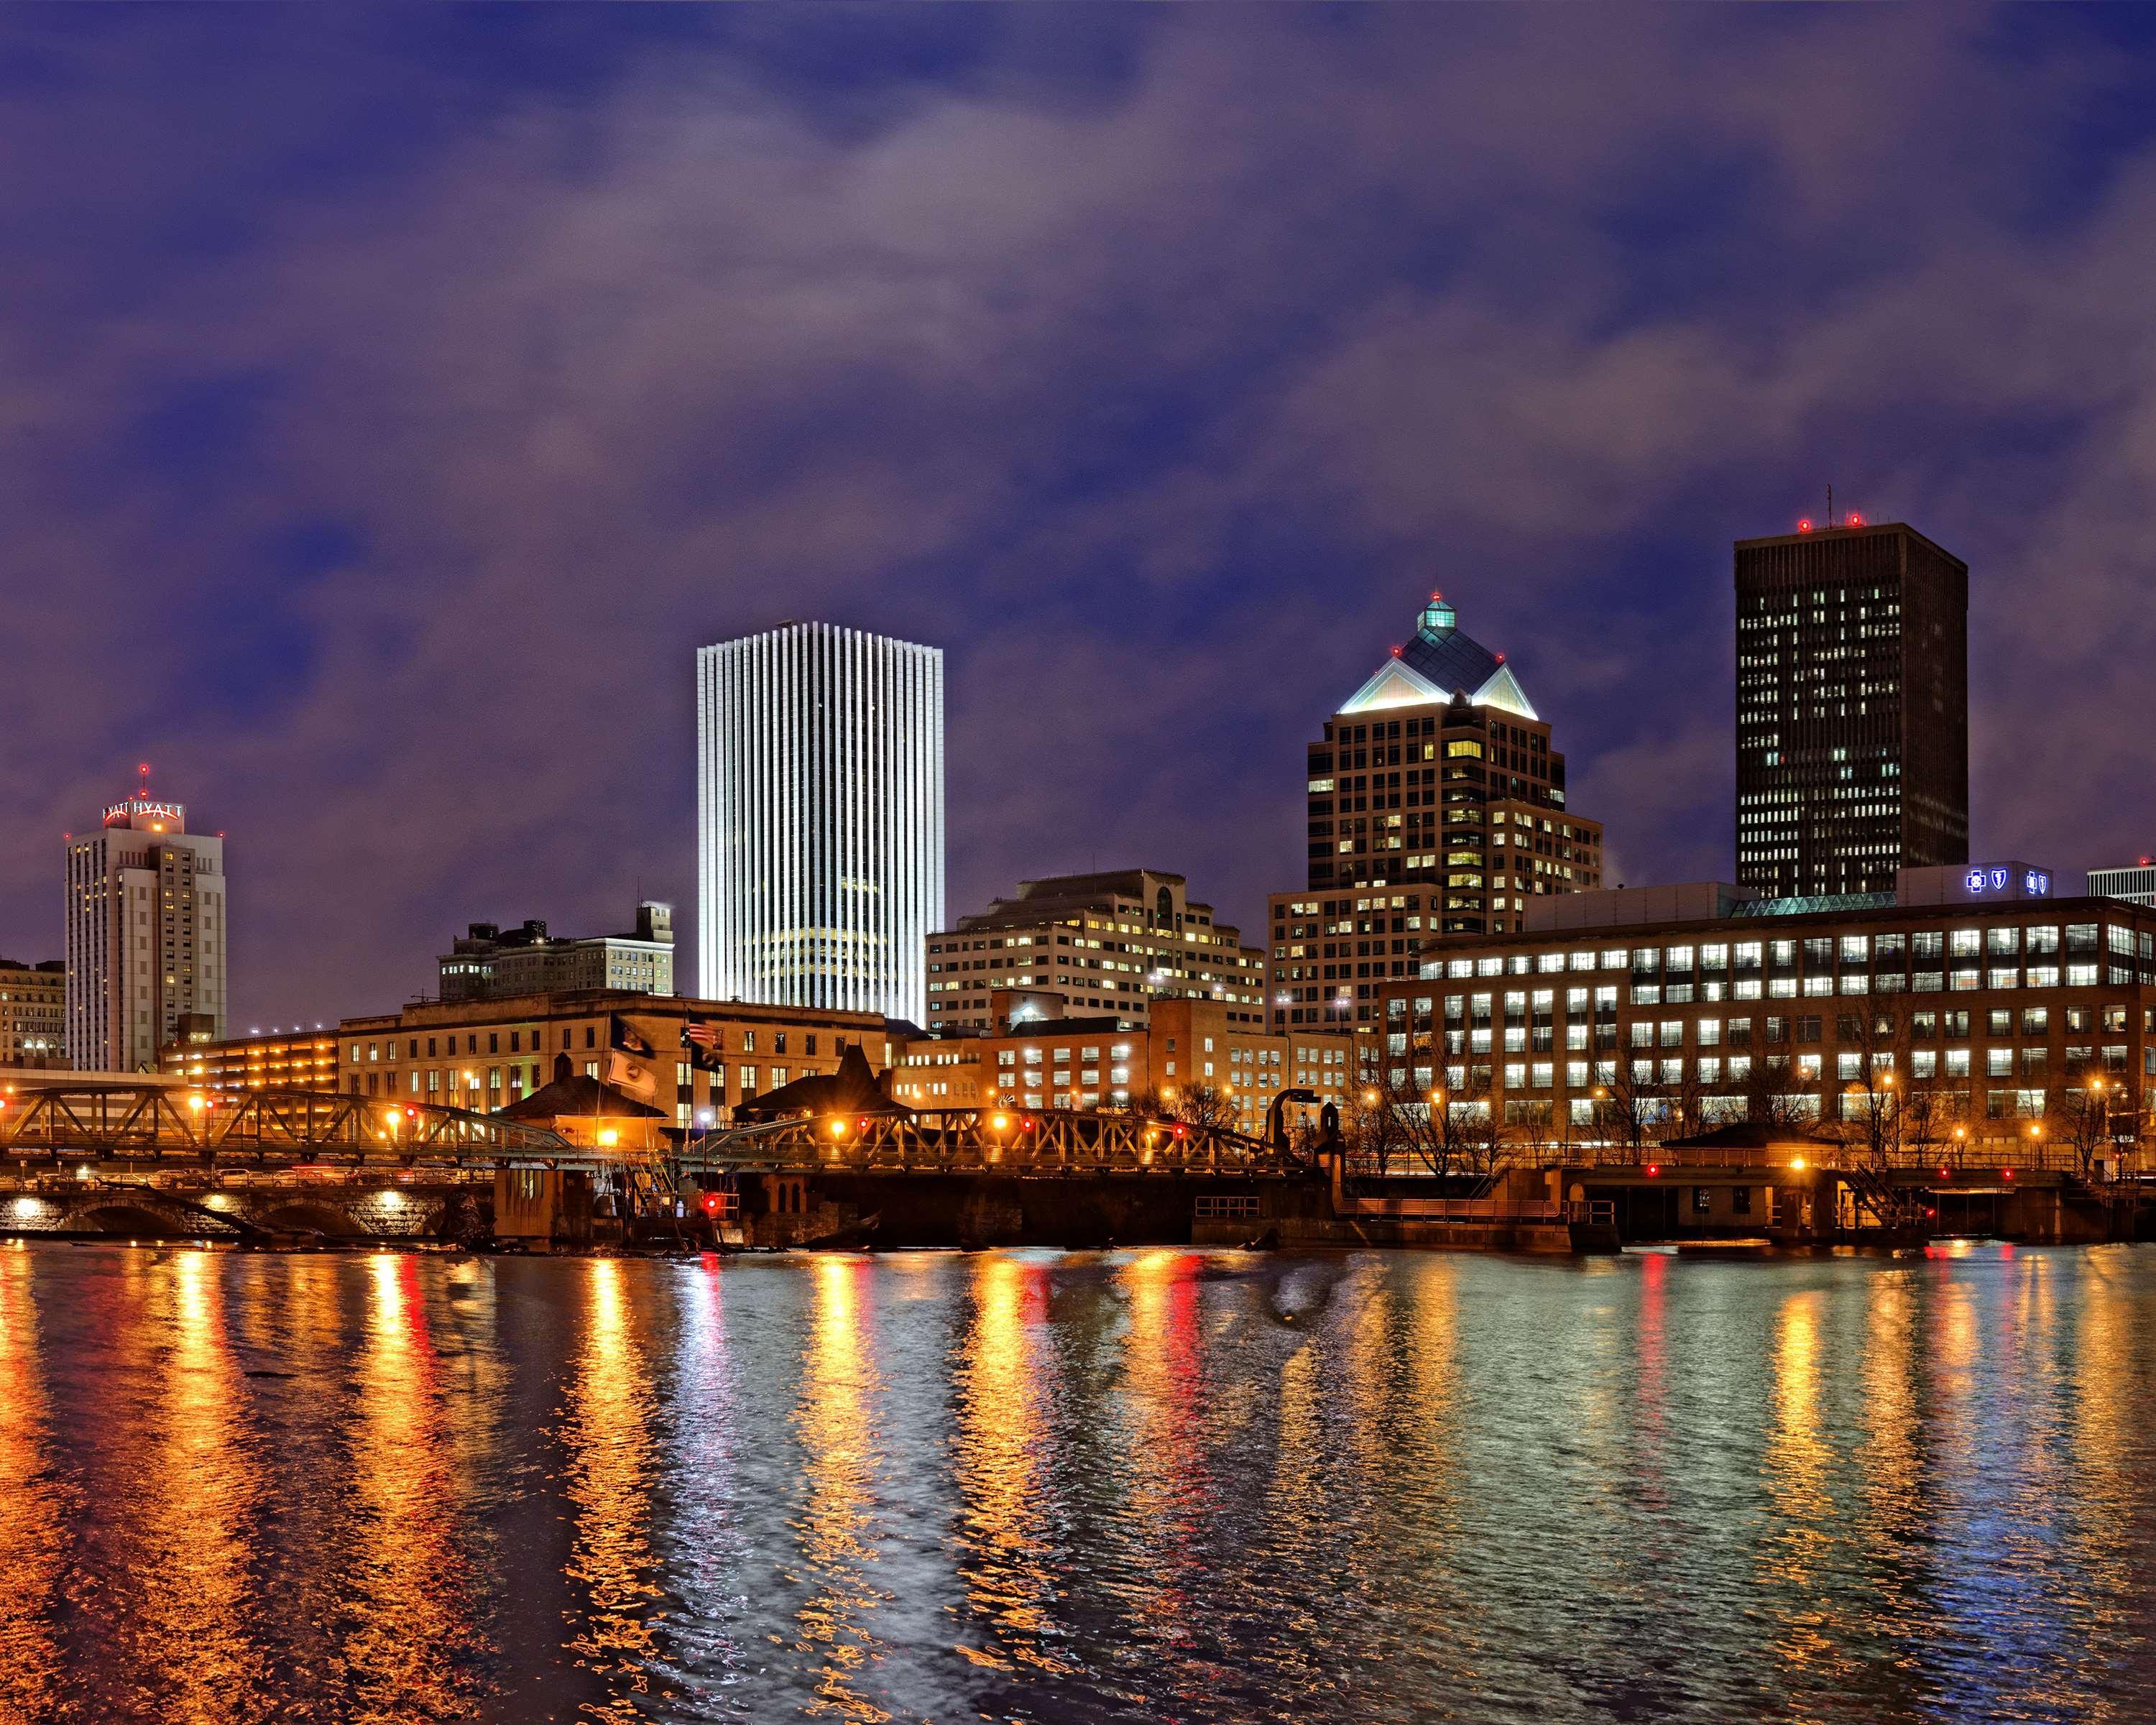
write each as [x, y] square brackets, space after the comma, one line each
[1149, 1486]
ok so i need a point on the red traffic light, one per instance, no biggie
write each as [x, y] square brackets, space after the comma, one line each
[1653, 1169]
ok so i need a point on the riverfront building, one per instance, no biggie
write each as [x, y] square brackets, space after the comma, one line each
[1989, 1000]
[819, 800]
[1112, 943]
[145, 934]
[1435, 806]
[34, 1014]
[491, 962]
[695, 1061]
[1052, 1059]
[295, 1060]
[1852, 708]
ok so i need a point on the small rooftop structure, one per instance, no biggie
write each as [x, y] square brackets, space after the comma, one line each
[1440, 663]
[853, 1088]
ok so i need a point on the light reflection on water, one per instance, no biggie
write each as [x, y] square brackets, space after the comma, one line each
[1039, 1486]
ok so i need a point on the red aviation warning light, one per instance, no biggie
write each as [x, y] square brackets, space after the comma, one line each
[1804, 525]
[1855, 519]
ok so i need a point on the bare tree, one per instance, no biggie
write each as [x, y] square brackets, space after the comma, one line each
[1771, 1096]
[2078, 1114]
[1537, 1134]
[1198, 1105]
[1372, 1127]
[1630, 1110]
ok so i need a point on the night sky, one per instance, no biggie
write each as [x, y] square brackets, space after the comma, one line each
[392, 401]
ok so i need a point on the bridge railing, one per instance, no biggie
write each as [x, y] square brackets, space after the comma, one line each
[1008, 1141]
[1461, 1210]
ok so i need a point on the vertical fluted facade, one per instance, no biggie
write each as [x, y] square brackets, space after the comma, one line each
[820, 818]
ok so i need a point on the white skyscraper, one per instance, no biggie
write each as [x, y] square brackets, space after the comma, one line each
[145, 934]
[820, 818]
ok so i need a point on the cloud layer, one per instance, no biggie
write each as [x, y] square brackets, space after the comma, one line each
[389, 406]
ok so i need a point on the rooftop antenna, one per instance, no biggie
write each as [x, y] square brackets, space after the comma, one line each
[1829, 504]
[144, 793]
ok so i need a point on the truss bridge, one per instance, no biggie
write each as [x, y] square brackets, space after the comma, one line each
[1012, 1143]
[155, 1122]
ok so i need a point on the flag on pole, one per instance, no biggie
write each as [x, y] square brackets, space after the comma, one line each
[700, 1037]
[632, 1063]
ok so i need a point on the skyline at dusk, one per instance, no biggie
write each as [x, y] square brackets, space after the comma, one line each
[396, 402]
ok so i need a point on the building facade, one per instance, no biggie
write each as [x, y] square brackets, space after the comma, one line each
[1088, 1060]
[1984, 996]
[145, 934]
[489, 960]
[297, 1059]
[483, 1054]
[1111, 943]
[2137, 885]
[820, 799]
[1435, 806]
[1852, 708]
[34, 1014]
[1331, 955]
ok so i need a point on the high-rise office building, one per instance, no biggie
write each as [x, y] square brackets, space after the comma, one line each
[1436, 806]
[1852, 708]
[146, 932]
[819, 803]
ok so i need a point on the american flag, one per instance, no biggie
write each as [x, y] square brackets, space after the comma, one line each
[697, 1033]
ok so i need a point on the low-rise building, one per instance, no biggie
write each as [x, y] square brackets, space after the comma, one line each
[295, 1060]
[1991, 1003]
[34, 1014]
[1114, 943]
[491, 962]
[698, 1060]
[1047, 1052]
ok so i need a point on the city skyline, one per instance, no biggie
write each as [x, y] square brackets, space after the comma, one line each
[363, 514]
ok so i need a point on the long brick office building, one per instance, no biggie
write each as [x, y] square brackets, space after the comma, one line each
[1986, 996]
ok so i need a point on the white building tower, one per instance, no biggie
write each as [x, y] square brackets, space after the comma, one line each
[145, 927]
[820, 818]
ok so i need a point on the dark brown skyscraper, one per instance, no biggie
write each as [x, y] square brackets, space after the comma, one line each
[1852, 708]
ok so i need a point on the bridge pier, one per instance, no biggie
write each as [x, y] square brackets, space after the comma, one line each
[344, 1213]
[1079, 1211]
